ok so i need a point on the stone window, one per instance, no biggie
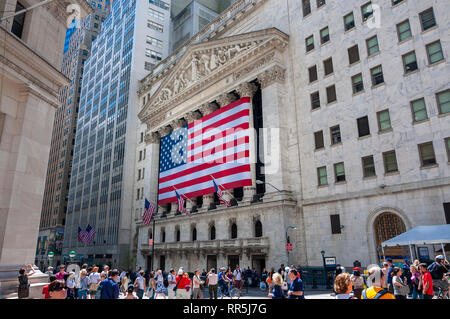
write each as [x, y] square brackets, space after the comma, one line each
[447, 147]
[177, 235]
[309, 43]
[434, 51]
[234, 233]
[306, 4]
[335, 133]
[395, 2]
[318, 138]
[322, 176]
[377, 75]
[163, 235]
[410, 62]
[443, 100]
[426, 153]
[320, 3]
[212, 233]
[363, 126]
[368, 166]
[419, 110]
[19, 21]
[427, 19]
[315, 100]
[404, 31]
[328, 66]
[367, 11]
[331, 94]
[258, 229]
[194, 234]
[349, 21]
[312, 74]
[372, 46]
[353, 54]
[357, 83]
[335, 224]
[339, 172]
[384, 121]
[324, 35]
[390, 162]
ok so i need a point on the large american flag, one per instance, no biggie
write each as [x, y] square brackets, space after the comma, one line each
[148, 213]
[216, 144]
[81, 234]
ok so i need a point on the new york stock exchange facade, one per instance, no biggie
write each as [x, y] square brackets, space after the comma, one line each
[254, 50]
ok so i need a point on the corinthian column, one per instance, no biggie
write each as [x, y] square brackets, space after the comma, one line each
[248, 90]
[207, 108]
[225, 99]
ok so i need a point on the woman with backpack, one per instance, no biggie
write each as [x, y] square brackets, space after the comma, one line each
[415, 282]
[358, 283]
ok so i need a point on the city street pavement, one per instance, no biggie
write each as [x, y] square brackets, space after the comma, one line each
[254, 293]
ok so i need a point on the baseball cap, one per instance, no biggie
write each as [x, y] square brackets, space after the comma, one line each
[440, 257]
[389, 259]
[356, 268]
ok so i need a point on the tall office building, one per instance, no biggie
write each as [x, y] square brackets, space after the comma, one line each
[134, 38]
[76, 50]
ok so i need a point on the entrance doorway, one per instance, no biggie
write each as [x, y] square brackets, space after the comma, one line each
[211, 262]
[258, 262]
[233, 261]
[162, 262]
[386, 226]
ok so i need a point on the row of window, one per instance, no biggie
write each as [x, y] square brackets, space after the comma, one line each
[426, 154]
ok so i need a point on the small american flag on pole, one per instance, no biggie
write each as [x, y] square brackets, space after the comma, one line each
[220, 195]
[148, 213]
[90, 232]
[181, 207]
[81, 234]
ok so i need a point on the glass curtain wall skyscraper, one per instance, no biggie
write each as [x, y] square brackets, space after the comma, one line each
[134, 37]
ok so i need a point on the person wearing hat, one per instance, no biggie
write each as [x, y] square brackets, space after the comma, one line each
[438, 270]
[183, 285]
[93, 281]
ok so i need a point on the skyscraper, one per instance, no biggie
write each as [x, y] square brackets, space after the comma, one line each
[76, 50]
[134, 38]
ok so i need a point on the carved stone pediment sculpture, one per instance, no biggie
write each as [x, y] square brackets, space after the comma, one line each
[204, 63]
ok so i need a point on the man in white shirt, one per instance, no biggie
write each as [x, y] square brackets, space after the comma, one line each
[140, 284]
[237, 278]
[211, 280]
[171, 278]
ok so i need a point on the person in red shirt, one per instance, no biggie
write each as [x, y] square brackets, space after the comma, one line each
[45, 291]
[427, 282]
[183, 285]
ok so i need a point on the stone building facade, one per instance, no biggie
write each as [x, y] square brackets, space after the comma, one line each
[353, 131]
[31, 49]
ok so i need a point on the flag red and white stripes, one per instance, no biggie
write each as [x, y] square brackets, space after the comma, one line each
[149, 211]
[216, 144]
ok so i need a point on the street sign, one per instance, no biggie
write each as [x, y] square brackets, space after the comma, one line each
[289, 247]
[330, 261]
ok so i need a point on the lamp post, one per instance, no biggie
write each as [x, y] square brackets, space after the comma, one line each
[50, 256]
[325, 269]
[72, 255]
[288, 241]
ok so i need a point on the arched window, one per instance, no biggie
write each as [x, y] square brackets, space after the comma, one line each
[194, 234]
[258, 229]
[386, 226]
[233, 231]
[163, 236]
[212, 233]
[150, 234]
[177, 236]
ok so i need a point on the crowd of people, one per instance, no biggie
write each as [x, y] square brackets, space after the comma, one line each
[415, 281]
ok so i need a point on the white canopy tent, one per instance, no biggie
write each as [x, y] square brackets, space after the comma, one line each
[421, 235]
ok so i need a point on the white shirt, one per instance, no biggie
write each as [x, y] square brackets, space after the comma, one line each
[170, 278]
[94, 278]
[237, 275]
[212, 279]
[141, 281]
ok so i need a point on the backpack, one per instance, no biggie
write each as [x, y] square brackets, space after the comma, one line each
[166, 282]
[380, 294]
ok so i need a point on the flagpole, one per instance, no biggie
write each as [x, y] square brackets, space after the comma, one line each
[153, 246]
